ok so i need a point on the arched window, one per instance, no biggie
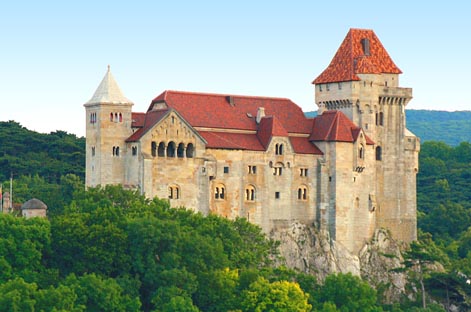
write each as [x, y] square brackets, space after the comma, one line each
[250, 193]
[378, 153]
[173, 192]
[361, 152]
[111, 116]
[171, 149]
[181, 150]
[115, 117]
[134, 150]
[302, 192]
[114, 150]
[117, 150]
[278, 149]
[120, 117]
[153, 149]
[190, 150]
[93, 150]
[161, 150]
[278, 169]
[220, 192]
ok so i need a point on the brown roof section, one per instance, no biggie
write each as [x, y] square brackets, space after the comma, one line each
[334, 126]
[270, 126]
[138, 120]
[353, 58]
[233, 111]
[151, 118]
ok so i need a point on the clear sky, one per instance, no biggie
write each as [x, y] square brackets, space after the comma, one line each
[54, 54]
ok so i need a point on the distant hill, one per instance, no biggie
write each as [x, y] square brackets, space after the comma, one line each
[431, 125]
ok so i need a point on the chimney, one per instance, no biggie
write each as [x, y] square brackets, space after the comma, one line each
[260, 114]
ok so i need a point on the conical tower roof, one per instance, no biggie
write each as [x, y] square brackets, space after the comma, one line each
[108, 92]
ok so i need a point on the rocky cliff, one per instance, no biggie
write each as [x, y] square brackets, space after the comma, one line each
[304, 248]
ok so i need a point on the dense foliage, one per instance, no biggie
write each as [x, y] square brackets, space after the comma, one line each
[25, 152]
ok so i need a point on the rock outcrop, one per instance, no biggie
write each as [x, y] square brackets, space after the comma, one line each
[304, 248]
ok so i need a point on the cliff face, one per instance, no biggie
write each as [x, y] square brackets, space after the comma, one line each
[307, 250]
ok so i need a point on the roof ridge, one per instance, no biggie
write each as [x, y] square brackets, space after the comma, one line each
[226, 94]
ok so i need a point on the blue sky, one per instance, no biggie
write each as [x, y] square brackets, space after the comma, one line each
[55, 53]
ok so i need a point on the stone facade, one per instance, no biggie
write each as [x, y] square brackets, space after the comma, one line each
[350, 171]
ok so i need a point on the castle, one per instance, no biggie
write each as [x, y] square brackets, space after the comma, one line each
[350, 170]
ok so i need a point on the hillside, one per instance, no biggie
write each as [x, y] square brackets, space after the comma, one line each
[429, 125]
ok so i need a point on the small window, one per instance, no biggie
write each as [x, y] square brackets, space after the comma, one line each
[252, 169]
[111, 116]
[161, 149]
[93, 151]
[219, 192]
[361, 152]
[277, 195]
[327, 87]
[320, 88]
[173, 192]
[226, 169]
[277, 171]
[120, 117]
[302, 193]
[190, 150]
[153, 147]
[340, 86]
[171, 149]
[278, 149]
[115, 150]
[303, 172]
[134, 150]
[378, 153]
[250, 193]
[181, 150]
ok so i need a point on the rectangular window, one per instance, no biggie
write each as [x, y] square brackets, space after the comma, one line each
[277, 195]
[226, 169]
[252, 169]
[303, 172]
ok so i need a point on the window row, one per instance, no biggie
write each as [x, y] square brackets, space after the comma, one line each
[116, 117]
[115, 150]
[92, 118]
[250, 193]
[172, 150]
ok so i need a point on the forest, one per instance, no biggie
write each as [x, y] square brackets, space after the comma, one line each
[110, 249]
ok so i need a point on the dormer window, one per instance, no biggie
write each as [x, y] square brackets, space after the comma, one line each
[365, 44]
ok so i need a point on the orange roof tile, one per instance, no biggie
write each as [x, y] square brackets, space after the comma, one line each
[229, 140]
[334, 126]
[352, 59]
[270, 126]
[233, 111]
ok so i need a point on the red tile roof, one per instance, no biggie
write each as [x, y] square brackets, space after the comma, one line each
[233, 111]
[304, 146]
[351, 59]
[270, 126]
[151, 118]
[335, 126]
[229, 140]
[138, 120]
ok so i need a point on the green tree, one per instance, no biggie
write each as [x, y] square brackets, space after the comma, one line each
[348, 293]
[277, 296]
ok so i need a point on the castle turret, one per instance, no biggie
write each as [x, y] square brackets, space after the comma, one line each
[362, 81]
[108, 124]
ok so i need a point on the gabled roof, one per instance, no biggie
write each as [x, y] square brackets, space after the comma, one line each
[108, 92]
[352, 58]
[302, 145]
[269, 127]
[151, 118]
[233, 111]
[334, 126]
